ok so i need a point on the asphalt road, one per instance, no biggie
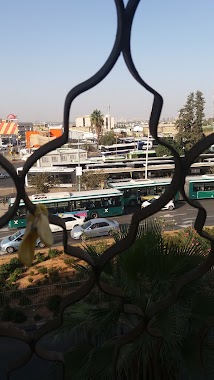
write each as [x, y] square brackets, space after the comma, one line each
[182, 216]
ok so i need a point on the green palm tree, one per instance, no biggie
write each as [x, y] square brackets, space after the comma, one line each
[179, 339]
[97, 122]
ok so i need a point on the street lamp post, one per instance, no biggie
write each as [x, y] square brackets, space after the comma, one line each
[147, 154]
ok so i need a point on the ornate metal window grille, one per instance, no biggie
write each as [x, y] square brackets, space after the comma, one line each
[125, 16]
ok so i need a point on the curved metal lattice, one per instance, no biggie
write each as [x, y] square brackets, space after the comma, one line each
[125, 16]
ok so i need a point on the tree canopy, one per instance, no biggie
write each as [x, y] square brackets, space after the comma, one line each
[43, 182]
[108, 138]
[163, 151]
[97, 122]
[190, 121]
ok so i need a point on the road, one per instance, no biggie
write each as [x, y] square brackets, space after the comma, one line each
[182, 216]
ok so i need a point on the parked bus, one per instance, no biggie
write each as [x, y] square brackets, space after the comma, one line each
[115, 149]
[200, 187]
[134, 190]
[91, 204]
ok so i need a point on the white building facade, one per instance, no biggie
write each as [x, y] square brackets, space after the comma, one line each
[85, 122]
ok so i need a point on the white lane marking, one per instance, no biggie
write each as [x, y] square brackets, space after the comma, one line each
[187, 219]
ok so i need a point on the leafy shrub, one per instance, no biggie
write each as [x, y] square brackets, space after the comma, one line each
[53, 303]
[70, 261]
[15, 263]
[54, 253]
[18, 271]
[31, 273]
[40, 257]
[42, 270]
[11, 286]
[13, 277]
[53, 274]
[30, 279]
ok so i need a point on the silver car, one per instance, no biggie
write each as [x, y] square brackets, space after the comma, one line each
[11, 243]
[95, 227]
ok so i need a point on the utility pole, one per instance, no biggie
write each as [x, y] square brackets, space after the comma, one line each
[147, 154]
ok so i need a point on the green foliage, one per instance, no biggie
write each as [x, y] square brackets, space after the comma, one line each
[144, 274]
[108, 138]
[163, 151]
[43, 182]
[97, 122]
[54, 275]
[30, 279]
[42, 270]
[13, 277]
[190, 121]
[70, 261]
[54, 253]
[93, 179]
[40, 257]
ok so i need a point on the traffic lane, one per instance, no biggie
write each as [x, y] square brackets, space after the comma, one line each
[183, 215]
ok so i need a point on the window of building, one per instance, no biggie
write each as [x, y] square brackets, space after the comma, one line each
[54, 159]
[64, 158]
[45, 159]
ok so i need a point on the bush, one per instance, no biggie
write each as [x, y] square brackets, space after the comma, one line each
[40, 257]
[13, 277]
[30, 279]
[70, 261]
[42, 270]
[53, 275]
[31, 273]
[53, 303]
[18, 271]
[53, 253]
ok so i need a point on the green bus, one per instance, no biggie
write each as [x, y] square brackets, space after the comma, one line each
[91, 204]
[200, 187]
[134, 190]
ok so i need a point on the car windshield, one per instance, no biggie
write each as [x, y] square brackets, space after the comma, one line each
[86, 224]
[14, 236]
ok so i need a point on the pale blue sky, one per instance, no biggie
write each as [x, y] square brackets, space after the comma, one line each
[49, 46]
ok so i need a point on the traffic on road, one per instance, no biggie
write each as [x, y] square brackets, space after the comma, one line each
[181, 216]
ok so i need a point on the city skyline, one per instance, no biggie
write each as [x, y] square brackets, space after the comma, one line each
[45, 53]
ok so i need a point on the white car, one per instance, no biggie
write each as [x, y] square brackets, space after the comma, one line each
[4, 175]
[95, 227]
[71, 221]
[169, 206]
